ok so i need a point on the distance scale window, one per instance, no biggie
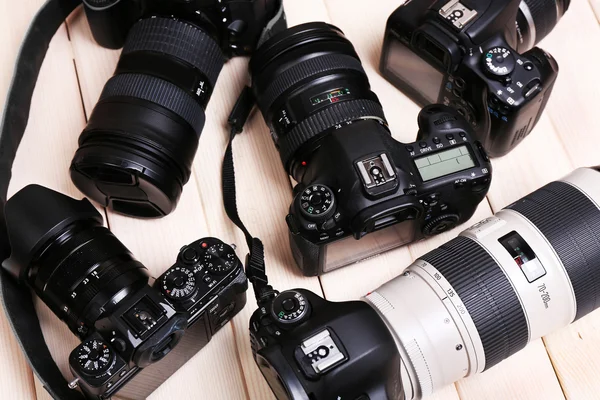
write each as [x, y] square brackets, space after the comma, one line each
[444, 163]
[523, 255]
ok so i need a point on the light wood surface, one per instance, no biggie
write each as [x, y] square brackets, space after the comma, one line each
[563, 364]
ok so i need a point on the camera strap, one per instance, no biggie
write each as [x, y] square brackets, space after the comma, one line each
[17, 300]
[255, 260]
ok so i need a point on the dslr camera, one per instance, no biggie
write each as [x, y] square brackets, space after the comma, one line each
[136, 153]
[354, 180]
[126, 322]
[478, 57]
[455, 312]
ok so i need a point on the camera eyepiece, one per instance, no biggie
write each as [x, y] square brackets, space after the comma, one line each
[136, 153]
[307, 80]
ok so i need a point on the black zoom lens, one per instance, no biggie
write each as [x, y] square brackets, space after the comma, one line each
[73, 263]
[537, 18]
[308, 81]
[137, 150]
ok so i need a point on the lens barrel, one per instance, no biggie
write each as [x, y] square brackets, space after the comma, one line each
[62, 251]
[136, 152]
[529, 270]
[537, 18]
[307, 80]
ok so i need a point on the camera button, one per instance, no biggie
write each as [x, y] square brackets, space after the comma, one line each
[190, 255]
[123, 373]
[109, 385]
[410, 149]
[528, 66]
[460, 83]
[462, 134]
[450, 136]
[436, 140]
[456, 93]
[324, 236]
[423, 145]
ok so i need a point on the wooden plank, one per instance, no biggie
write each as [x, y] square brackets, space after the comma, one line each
[596, 7]
[44, 156]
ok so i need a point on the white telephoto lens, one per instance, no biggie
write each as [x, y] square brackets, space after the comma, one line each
[532, 268]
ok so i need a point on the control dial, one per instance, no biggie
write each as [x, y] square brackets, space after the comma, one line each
[317, 203]
[290, 307]
[499, 62]
[179, 283]
[219, 259]
[440, 224]
[94, 357]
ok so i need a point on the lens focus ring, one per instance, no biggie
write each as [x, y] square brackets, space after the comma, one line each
[487, 294]
[157, 91]
[177, 39]
[326, 119]
[304, 70]
[571, 223]
[545, 15]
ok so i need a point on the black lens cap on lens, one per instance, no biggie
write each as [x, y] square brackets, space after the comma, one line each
[125, 183]
[36, 214]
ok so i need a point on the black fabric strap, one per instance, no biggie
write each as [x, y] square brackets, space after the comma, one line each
[255, 261]
[18, 303]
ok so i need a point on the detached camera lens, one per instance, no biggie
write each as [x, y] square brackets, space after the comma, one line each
[136, 153]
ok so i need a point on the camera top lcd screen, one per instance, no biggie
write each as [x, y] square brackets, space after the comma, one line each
[444, 163]
[414, 72]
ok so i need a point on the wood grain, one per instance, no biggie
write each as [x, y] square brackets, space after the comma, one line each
[69, 86]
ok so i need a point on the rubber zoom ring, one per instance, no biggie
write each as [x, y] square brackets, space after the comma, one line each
[178, 39]
[304, 70]
[323, 121]
[487, 295]
[570, 221]
[158, 91]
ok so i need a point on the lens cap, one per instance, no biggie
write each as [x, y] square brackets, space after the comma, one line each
[124, 182]
[36, 214]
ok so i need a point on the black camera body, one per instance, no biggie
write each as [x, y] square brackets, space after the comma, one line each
[361, 181]
[235, 25]
[478, 57]
[199, 294]
[304, 345]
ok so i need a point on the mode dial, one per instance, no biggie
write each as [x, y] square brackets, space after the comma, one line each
[290, 307]
[94, 357]
[219, 259]
[499, 62]
[317, 203]
[179, 283]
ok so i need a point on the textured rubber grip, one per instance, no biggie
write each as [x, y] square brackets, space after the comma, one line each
[178, 39]
[570, 221]
[304, 70]
[158, 91]
[324, 120]
[487, 295]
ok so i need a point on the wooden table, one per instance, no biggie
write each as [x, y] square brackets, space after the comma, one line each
[563, 364]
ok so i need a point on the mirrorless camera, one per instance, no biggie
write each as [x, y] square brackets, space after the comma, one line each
[126, 322]
[136, 153]
[478, 57]
[456, 311]
[354, 179]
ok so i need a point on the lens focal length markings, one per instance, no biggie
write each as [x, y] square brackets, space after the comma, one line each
[457, 308]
